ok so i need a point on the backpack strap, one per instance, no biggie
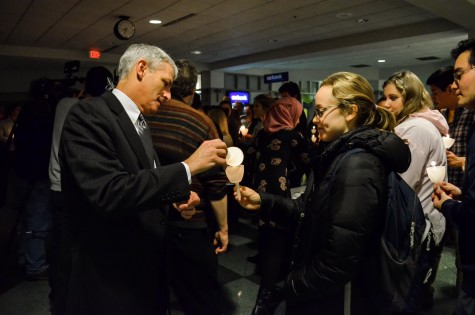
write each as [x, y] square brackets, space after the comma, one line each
[347, 299]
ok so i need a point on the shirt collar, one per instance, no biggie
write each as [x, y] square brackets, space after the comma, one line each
[129, 106]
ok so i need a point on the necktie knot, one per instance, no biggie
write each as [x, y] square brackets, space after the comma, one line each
[141, 122]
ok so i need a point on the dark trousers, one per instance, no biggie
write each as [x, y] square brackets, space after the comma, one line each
[465, 304]
[274, 254]
[60, 261]
[29, 199]
[37, 225]
[193, 269]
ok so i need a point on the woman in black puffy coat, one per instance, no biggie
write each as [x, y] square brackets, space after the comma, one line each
[340, 217]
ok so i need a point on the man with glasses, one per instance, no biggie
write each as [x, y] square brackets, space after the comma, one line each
[458, 205]
[460, 120]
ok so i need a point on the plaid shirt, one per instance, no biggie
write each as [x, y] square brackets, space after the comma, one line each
[459, 129]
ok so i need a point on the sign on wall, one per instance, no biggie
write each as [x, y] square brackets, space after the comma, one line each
[276, 77]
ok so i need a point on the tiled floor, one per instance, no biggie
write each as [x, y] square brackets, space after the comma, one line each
[237, 276]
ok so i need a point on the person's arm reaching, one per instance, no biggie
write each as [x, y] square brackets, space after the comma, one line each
[221, 238]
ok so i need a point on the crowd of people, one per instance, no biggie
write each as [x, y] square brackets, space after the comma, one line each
[344, 202]
[124, 195]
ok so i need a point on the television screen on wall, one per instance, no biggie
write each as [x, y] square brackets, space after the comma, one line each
[239, 96]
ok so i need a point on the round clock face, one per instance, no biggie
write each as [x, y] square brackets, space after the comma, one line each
[124, 29]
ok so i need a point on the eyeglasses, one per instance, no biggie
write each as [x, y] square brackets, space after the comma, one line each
[321, 112]
[459, 74]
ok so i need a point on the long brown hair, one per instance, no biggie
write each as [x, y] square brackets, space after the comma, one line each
[414, 94]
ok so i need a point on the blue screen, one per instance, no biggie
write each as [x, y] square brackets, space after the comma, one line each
[239, 96]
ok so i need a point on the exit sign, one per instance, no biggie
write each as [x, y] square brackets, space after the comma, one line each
[94, 54]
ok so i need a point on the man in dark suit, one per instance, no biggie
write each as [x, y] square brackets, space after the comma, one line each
[117, 193]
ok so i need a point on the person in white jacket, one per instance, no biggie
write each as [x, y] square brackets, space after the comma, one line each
[423, 128]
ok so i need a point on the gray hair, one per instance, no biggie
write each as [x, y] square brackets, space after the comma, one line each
[153, 55]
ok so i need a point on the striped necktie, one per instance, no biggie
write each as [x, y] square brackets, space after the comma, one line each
[146, 138]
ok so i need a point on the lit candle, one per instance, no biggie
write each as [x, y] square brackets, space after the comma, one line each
[314, 138]
[313, 131]
[436, 173]
[235, 156]
[243, 130]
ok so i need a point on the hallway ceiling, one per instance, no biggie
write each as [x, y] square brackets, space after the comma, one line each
[233, 35]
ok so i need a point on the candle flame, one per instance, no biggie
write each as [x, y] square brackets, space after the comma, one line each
[432, 163]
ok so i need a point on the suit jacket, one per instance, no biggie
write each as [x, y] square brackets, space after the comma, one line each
[116, 203]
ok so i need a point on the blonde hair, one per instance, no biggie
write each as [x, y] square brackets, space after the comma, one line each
[414, 94]
[352, 89]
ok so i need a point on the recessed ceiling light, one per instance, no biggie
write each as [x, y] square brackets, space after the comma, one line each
[344, 15]
[272, 40]
[195, 52]
[362, 21]
[381, 60]
[155, 22]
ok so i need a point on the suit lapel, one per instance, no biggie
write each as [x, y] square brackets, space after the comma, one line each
[127, 128]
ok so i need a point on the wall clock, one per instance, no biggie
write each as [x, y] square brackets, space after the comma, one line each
[124, 29]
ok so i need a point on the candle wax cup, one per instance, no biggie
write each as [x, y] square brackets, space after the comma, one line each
[235, 173]
[436, 173]
[235, 156]
[448, 142]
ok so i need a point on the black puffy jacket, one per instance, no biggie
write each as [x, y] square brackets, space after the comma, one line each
[341, 224]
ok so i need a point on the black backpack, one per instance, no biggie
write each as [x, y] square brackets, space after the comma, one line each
[399, 268]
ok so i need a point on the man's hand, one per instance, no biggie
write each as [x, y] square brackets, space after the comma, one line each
[249, 200]
[209, 154]
[187, 208]
[221, 241]
[443, 192]
[455, 161]
[438, 197]
[450, 189]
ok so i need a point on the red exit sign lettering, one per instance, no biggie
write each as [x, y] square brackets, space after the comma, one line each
[94, 54]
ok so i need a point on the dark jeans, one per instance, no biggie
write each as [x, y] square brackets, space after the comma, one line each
[30, 199]
[37, 225]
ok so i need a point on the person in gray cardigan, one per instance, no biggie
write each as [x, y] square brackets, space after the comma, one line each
[96, 82]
